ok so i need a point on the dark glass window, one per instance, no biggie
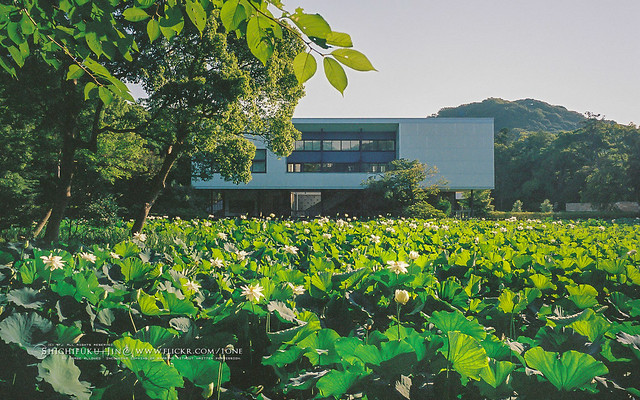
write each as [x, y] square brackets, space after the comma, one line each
[351, 145]
[259, 164]
[331, 145]
[386, 145]
[311, 167]
[312, 145]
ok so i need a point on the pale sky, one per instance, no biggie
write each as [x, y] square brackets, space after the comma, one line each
[430, 54]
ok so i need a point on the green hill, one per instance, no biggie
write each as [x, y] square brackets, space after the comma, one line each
[519, 115]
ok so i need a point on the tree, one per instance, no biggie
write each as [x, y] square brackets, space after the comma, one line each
[85, 41]
[399, 190]
[205, 92]
[482, 202]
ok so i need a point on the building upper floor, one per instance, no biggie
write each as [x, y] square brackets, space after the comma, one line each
[341, 153]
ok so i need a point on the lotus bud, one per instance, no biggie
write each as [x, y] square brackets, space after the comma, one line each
[402, 296]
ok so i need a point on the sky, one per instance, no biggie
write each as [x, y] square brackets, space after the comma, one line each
[580, 54]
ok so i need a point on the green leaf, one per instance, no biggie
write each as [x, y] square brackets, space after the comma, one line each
[22, 328]
[335, 74]
[105, 95]
[336, 383]
[202, 372]
[156, 336]
[158, 379]
[126, 249]
[135, 14]
[466, 355]
[497, 372]
[26, 297]
[232, 14]
[90, 90]
[148, 304]
[583, 296]
[13, 30]
[153, 30]
[68, 334]
[16, 55]
[353, 59]
[75, 72]
[197, 15]
[571, 371]
[94, 43]
[456, 321]
[311, 24]
[339, 39]
[63, 375]
[257, 38]
[134, 269]
[304, 66]
[321, 347]
[542, 282]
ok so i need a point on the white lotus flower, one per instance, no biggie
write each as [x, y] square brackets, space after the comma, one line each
[140, 236]
[297, 289]
[326, 235]
[114, 255]
[192, 286]
[221, 235]
[253, 292]
[217, 263]
[413, 255]
[397, 266]
[53, 262]
[88, 257]
[375, 239]
[241, 255]
[290, 249]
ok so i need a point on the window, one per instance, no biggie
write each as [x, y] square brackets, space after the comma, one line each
[378, 145]
[331, 145]
[294, 167]
[351, 145]
[387, 145]
[374, 167]
[259, 164]
[311, 167]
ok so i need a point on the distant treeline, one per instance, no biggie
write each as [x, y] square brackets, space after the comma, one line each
[544, 151]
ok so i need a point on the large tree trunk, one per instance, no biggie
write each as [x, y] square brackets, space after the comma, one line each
[158, 182]
[63, 189]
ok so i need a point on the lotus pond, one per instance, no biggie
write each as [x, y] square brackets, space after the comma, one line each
[278, 309]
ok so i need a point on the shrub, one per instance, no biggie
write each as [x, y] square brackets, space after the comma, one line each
[546, 206]
[423, 210]
[517, 206]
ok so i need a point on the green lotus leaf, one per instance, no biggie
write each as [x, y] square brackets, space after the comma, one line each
[26, 330]
[583, 296]
[63, 375]
[456, 321]
[570, 371]
[202, 372]
[157, 336]
[26, 297]
[466, 355]
[157, 377]
[497, 372]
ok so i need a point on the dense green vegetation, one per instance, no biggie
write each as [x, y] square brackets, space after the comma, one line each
[213, 71]
[545, 152]
[380, 309]
[519, 115]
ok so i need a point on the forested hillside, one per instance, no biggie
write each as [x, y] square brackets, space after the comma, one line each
[521, 115]
[548, 152]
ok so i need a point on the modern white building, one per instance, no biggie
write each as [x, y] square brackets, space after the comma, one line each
[325, 172]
